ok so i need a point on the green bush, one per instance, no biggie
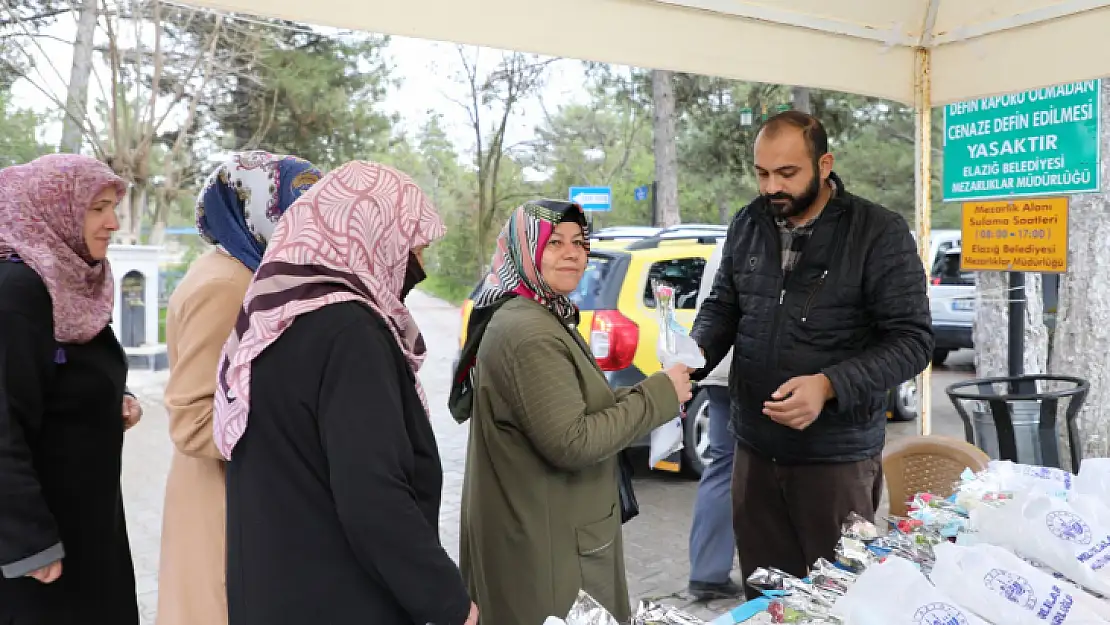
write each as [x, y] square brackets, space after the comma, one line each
[445, 288]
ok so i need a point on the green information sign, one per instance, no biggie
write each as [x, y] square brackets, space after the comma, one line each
[1041, 142]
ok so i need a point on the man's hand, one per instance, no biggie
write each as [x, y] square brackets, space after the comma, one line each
[473, 618]
[47, 574]
[798, 402]
[132, 412]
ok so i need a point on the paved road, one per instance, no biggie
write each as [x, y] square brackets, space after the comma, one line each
[656, 542]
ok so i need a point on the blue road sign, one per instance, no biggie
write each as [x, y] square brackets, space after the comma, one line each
[592, 198]
[641, 193]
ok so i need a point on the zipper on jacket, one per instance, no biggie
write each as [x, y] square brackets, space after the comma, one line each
[813, 294]
[772, 353]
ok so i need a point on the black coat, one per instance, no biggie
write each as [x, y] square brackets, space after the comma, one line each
[855, 308]
[61, 439]
[334, 489]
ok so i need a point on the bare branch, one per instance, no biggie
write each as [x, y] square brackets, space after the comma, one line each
[16, 19]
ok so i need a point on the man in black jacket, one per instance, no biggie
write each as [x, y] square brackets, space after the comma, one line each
[823, 296]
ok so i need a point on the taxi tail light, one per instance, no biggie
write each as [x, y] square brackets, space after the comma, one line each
[613, 340]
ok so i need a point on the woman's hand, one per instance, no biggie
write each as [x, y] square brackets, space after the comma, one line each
[473, 618]
[132, 412]
[680, 377]
[47, 574]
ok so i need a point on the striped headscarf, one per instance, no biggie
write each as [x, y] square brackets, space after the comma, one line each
[515, 270]
[348, 238]
[515, 267]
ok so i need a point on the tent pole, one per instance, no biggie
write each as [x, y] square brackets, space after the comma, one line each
[923, 170]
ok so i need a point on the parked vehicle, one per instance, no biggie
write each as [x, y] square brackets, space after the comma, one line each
[952, 300]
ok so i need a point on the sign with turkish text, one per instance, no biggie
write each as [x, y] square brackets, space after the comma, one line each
[1040, 142]
[1027, 234]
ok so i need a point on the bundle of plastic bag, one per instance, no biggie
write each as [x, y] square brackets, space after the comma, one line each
[674, 347]
[1001, 587]
[1003, 476]
[1070, 536]
[895, 592]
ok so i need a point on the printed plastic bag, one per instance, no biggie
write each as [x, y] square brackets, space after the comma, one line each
[895, 592]
[1072, 537]
[1094, 479]
[997, 585]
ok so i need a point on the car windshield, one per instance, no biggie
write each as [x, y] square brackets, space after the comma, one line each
[587, 295]
[947, 271]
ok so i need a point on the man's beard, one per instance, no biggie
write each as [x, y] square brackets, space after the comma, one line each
[786, 206]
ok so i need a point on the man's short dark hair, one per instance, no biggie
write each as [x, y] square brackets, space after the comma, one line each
[817, 140]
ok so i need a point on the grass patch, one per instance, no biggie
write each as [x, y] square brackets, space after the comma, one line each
[446, 289]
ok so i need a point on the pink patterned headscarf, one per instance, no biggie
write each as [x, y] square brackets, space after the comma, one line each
[42, 222]
[347, 239]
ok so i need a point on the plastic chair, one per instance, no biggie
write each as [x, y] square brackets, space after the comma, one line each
[927, 464]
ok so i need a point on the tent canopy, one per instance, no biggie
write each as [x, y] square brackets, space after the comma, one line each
[978, 47]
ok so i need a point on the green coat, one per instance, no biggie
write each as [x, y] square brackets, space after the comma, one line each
[540, 511]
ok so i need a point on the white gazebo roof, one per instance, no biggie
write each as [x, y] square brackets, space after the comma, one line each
[978, 47]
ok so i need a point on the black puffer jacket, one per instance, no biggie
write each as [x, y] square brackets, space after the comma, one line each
[855, 308]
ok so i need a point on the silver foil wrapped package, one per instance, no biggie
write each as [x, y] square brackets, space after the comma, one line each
[652, 613]
[587, 611]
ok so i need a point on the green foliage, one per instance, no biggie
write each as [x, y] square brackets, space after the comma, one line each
[313, 95]
[446, 288]
[19, 133]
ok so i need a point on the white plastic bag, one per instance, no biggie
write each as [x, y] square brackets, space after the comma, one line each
[1094, 479]
[1072, 537]
[665, 440]
[896, 593]
[674, 347]
[1001, 587]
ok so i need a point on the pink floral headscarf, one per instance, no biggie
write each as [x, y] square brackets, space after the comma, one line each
[42, 221]
[349, 238]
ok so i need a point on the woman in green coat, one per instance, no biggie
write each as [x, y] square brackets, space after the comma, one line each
[540, 511]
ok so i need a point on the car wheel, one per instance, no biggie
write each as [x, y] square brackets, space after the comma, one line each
[695, 444]
[939, 356]
[902, 402]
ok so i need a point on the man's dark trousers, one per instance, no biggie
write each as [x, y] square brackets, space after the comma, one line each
[787, 516]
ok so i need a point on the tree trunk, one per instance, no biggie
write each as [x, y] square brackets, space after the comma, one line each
[131, 224]
[1081, 341]
[666, 153]
[800, 98]
[993, 317]
[77, 98]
